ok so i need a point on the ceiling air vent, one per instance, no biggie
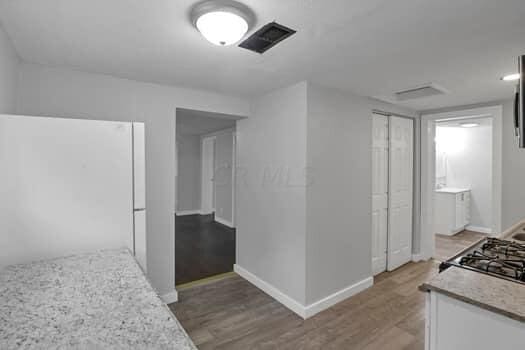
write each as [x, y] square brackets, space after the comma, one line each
[267, 37]
[426, 90]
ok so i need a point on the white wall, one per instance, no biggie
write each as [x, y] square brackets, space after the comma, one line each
[468, 156]
[8, 81]
[304, 190]
[513, 191]
[67, 93]
[271, 194]
[189, 173]
[8, 74]
[223, 176]
[338, 196]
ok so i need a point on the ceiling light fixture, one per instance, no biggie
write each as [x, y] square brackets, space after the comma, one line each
[222, 22]
[511, 77]
[469, 125]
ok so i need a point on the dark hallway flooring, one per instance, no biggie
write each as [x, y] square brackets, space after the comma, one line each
[203, 248]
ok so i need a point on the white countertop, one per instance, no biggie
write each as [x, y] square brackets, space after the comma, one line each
[452, 190]
[89, 301]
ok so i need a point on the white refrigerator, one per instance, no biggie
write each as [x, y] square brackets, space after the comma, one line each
[70, 186]
[139, 193]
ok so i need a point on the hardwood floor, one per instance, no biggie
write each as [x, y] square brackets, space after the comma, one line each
[203, 248]
[233, 314]
[448, 246]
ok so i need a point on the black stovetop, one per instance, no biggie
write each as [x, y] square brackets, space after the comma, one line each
[492, 256]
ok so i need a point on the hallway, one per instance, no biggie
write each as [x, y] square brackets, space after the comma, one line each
[203, 248]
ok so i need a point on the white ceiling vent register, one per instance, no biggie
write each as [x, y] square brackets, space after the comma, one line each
[421, 91]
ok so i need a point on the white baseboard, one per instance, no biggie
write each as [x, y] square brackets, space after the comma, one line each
[418, 257]
[479, 229]
[337, 297]
[275, 293]
[224, 222]
[170, 297]
[297, 307]
[188, 212]
[511, 229]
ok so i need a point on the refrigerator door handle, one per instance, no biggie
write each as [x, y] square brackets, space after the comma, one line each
[517, 112]
[139, 209]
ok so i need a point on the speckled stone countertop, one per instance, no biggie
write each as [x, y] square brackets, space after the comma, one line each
[487, 292]
[90, 301]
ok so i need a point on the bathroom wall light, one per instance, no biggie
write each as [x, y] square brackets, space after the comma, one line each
[222, 22]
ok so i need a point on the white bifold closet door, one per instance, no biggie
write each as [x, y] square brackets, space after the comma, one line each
[379, 192]
[392, 169]
[401, 167]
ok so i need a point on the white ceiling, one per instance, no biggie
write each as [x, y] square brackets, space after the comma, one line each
[192, 122]
[369, 47]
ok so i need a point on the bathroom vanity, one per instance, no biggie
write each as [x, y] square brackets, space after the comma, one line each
[478, 299]
[452, 210]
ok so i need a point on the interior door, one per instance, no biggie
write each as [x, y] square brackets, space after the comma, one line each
[401, 163]
[379, 192]
[223, 178]
[208, 166]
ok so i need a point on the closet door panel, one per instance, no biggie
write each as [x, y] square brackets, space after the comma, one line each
[400, 192]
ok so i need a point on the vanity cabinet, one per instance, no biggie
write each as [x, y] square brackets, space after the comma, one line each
[451, 324]
[452, 210]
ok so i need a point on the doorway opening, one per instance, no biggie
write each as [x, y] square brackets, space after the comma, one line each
[463, 179]
[205, 195]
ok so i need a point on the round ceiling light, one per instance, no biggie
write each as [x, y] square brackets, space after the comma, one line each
[222, 22]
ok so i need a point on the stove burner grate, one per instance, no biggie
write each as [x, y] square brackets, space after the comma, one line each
[510, 268]
[508, 248]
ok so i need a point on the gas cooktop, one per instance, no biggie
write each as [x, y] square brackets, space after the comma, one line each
[492, 256]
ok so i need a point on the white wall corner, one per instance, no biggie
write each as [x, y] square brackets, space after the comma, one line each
[338, 296]
[224, 222]
[419, 257]
[170, 297]
[272, 291]
[297, 307]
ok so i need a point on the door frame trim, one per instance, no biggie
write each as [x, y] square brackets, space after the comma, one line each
[212, 206]
[428, 122]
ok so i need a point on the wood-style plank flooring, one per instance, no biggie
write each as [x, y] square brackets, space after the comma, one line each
[233, 314]
[203, 248]
[448, 246]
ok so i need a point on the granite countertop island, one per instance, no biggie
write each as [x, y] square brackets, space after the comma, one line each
[487, 292]
[99, 300]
